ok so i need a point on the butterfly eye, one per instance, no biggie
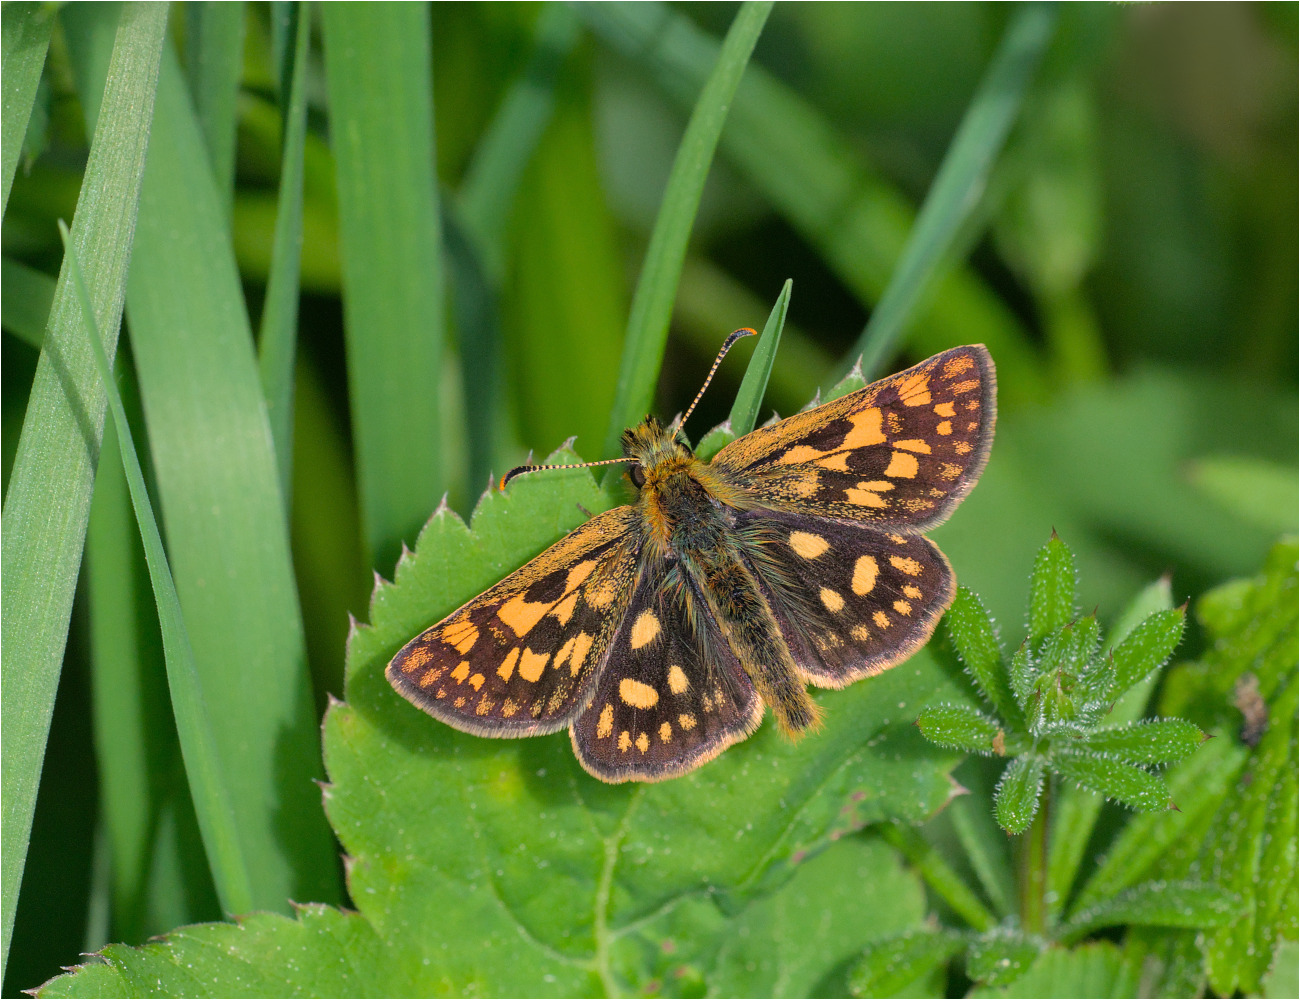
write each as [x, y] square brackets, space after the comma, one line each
[637, 475]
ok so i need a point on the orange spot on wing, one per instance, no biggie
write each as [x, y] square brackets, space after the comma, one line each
[902, 466]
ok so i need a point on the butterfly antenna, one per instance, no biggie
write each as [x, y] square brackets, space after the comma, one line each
[726, 346]
[519, 470]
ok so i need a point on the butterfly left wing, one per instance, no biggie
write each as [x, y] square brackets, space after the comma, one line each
[901, 452]
[519, 659]
[851, 600]
[671, 694]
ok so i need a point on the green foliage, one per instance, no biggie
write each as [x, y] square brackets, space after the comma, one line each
[334, 318]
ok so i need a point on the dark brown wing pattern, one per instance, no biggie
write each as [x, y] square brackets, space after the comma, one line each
[851, 599]
[901, 452]
[671, 695]
[520, 658]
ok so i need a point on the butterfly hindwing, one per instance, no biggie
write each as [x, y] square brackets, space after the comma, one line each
[519, 659]
[900, 452]
[851, 599]
[671, 694]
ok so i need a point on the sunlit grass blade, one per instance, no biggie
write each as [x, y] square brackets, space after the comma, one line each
[214, 59]
[378, 68]
[132, 717]
[24, 39]
[279, 326]
[749, 397]
[218, 487]
[48, 500]
[856, 221]
[962, 177]
[25, 305]
[203, 765]
[652, 303]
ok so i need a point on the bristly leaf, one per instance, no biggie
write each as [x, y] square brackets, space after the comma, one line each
[1023, 672]
[1051, 589]
[962, 728]
[749, 397]
[1126, 783]
[1160, 904]
[1002, 956]
[851, 382]
[1160, 741]
[975, 638]
[714, 441]
[1147, 647]
[1017, 794]
[892, 963]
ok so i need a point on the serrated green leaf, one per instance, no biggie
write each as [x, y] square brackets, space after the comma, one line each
[714, 441]
[894, 962]
[1051, 589]
[1158, 741]
[1198, 786]
[1093, 970]
[1113, 778]
[1001, 956]
[1160, 904]
[851, 382]
[1016, 799]
[1145, 648]
[459, 846]
[974, 635]
[960, 727]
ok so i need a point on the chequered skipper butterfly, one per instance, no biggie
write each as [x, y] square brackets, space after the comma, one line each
[658, 631]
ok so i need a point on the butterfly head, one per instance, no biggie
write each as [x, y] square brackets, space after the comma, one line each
[654, 451]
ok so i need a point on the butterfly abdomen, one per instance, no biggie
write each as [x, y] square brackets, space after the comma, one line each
[748, 625]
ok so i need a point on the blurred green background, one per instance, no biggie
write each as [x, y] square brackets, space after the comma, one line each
[1132, 265]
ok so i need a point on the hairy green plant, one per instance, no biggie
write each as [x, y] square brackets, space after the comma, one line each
[1200, 888]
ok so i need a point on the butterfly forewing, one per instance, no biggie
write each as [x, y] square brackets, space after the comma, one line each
[850, 599]
[519, 659]
[901, 452]
[671, 695]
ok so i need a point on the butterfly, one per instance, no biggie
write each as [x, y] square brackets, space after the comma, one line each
[659, 632]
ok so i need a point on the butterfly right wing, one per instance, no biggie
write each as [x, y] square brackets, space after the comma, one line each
[671, 694]
[520, 658]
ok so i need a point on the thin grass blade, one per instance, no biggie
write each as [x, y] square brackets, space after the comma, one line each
[857, 221]
[278, 336]
[378, 63]
[48, 501]
[194, 723]
[961, 180]
[24, 39]
[749, 397]
[214, 60]
[652, 303]
[227, 533]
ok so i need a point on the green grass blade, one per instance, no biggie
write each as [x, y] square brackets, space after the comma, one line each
[749, 397]
[48, 501]
[477, 229]
[277, 340]
[24, 39]
[214, 61]
[219, 490]
[652, 303]
[962, 177]
[857, 222]
[194, 722]
[378, 67]
[25, 306]
[492, 178]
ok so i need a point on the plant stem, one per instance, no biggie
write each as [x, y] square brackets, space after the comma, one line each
[1033, 868]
